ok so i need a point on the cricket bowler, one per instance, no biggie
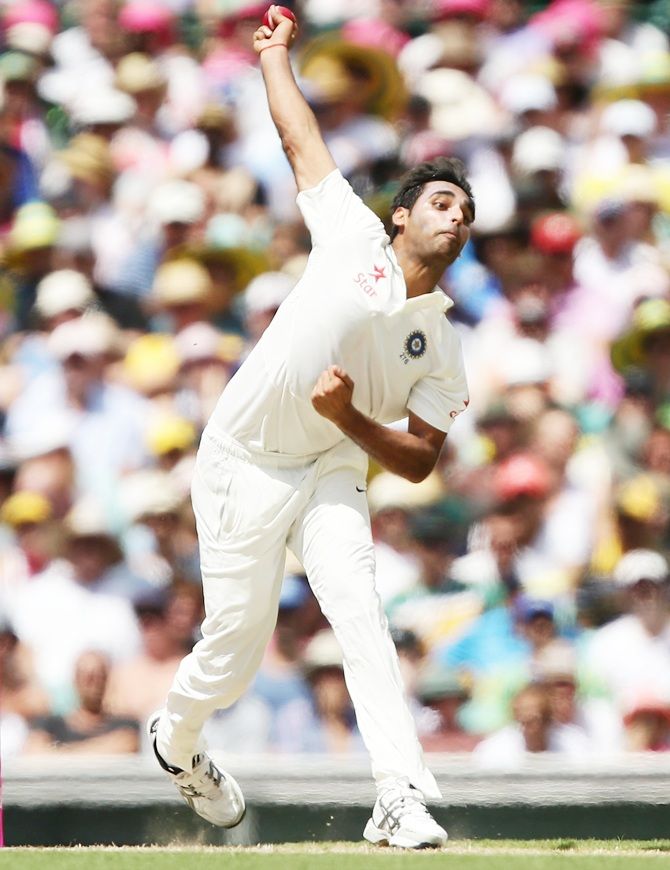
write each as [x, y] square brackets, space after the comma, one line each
[362, 341]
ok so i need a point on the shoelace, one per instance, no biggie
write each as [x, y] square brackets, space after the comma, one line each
[414, 804]
[210, 780]
[398, 803]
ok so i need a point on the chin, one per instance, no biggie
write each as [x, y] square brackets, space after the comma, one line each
[450, 254]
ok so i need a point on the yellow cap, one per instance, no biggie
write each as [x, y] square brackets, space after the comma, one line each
[25, 507]
[179, 282]
[639, 498]
[35, 226]
[170, 433]
[151, 363]
[651, 315]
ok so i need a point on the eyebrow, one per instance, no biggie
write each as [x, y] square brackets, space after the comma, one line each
[467, 204]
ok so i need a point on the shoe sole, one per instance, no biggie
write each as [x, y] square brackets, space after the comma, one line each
[379, 837]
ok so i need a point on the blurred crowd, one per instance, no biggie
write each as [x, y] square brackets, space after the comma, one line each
[148, 234]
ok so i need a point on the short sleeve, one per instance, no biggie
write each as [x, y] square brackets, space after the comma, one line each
[442, 395]
[332, 210]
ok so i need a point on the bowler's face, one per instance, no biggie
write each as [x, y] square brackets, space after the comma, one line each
[438, 225]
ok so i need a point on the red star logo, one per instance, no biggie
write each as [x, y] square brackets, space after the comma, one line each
[379, 272]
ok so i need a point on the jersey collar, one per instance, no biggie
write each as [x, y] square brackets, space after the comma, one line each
[437, 298]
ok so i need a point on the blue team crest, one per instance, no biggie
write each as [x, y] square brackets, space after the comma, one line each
[415, 344]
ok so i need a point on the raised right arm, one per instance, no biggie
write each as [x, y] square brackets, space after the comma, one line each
[296, 123]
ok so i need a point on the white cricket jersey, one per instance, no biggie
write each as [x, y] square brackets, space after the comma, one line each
[350, 309]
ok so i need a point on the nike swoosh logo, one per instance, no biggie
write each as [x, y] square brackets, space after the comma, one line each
[363, 489]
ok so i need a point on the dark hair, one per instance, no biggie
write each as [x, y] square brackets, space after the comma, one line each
[440, 169]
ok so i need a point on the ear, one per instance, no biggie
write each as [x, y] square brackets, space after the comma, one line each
[399, 217]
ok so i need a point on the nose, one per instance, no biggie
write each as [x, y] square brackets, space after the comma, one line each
[457, 216]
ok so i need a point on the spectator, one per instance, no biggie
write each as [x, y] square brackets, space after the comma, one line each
[411, 658]
[531, 732]
[280, 689]
[491, 568]
[325, 722]
[436, 609]
[106, 421]
[174, 211]
[392, 501]
[609, 260]
[281, 678]
[136, 687]
[160, 528]
[631, 654]
[640, 515]
[646, 346]
[22, 697]
[556, 668]
[61, 296]
[95, 556]
[181, 295]
[44, 464]
[499, 653]
[262, 298]
[647, 726]
[526, 486]
[208, 359]
[30, 549]
[30, 250]
[89, 728]
[58, 617]
[444, 693]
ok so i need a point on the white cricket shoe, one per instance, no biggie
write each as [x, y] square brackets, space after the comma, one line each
[400, 818]
[208, 790]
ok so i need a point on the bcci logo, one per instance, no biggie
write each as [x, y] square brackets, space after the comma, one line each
[415, 346]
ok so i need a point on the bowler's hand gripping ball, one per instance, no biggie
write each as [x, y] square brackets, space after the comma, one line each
[285, 11]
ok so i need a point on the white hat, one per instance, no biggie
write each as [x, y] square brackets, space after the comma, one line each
[92, 334]
[536, 149]
[524, 93]
[177, 201]
[104, 105]
[201, 341]
[29, 36]
[641, 565]
[557, 659]
[198, 341]
[149, 493]
[387, 490]
[266, 292]
[322, 651]
[628, 118]
[460, 106]
[63, 290]
[87, 517]
[55, 433]
[527, 362]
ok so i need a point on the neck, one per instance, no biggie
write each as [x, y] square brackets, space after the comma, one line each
[420, 277]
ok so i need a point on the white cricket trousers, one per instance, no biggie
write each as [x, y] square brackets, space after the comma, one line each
[248, 508]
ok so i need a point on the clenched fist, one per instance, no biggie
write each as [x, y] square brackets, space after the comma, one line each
[279, 27]
[332, 394]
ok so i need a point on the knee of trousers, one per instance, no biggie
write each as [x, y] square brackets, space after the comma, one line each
[351, 603]
[225, 670]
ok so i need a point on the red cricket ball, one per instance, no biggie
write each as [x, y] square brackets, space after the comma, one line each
[285, 11]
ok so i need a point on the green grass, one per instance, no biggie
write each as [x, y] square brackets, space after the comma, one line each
[460, 855]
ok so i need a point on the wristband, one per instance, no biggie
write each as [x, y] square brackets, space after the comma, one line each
[274, 45]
